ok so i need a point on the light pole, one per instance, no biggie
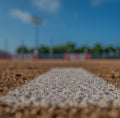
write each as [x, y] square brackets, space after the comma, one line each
[6, 45]
[37, 21]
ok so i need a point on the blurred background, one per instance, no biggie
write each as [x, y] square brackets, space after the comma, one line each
[59, 29]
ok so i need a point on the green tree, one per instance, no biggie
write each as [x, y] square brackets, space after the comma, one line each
[97, 49]
[70, 47]
[117, 50]
[109, 49]
[83, 49]
[43, 50]
[59, 49]
[22, 49]
[32, 50]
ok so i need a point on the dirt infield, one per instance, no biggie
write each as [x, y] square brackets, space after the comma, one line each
[16, 73]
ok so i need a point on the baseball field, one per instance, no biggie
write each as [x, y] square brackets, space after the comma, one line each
[60, 89]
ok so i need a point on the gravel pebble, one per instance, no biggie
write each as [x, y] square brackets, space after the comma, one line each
[65, 86]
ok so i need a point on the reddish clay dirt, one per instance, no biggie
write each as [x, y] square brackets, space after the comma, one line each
[14, 74]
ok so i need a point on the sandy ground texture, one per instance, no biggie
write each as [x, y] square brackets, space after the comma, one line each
[14, 74]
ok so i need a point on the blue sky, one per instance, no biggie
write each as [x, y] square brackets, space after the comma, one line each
[79, 21]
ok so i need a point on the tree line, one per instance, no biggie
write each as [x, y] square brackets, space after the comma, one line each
[70, 48]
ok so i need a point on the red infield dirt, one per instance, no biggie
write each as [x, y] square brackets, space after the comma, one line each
[14, 74]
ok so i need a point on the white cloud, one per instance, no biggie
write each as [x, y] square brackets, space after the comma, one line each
[100, 2]
[47, 5]
[21, 15]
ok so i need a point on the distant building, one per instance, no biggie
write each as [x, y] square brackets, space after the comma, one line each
[5, 55]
